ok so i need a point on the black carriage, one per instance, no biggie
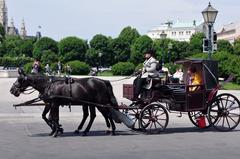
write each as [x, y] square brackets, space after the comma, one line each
[204, 106]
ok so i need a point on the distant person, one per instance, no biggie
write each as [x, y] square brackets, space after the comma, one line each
[68, 70]
[178, 76]
[36, 66]
[48, 70]
[59, 68]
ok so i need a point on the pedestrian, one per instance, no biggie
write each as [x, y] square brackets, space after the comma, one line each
[36, 66]
[59, 70]
[48, 70]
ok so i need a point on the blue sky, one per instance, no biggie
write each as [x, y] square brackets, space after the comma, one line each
[86, 18]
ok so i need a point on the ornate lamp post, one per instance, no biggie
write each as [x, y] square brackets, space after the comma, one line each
[209, 15]
[170, 46]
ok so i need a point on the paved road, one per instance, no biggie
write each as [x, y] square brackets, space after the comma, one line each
[23, 135]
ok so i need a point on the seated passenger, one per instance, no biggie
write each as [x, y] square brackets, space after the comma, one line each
[149, 69]
[195, 78]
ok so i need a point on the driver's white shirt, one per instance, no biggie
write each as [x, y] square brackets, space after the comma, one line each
[150, 67]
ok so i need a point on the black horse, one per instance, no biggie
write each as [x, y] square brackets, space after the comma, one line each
[56, 91]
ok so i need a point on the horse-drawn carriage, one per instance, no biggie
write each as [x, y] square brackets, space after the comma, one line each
[204, 106]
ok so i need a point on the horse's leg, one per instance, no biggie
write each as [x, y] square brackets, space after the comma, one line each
[44, 114]
[112, 123]
[85, 116]
[105, 115]
[55, 119]
[92, 117]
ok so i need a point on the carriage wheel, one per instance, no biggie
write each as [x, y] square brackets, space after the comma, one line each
[194, 115]
[134, 114]
[154, 118]
[224, 112]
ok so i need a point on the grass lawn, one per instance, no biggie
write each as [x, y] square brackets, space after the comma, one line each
[231, 86]
[105, 73]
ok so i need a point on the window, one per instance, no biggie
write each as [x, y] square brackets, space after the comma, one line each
[181, 33]
[188, 32]
[174, 33]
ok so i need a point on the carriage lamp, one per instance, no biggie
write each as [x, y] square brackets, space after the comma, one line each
[209, 16]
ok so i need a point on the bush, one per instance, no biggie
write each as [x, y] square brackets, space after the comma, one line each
[123, 68]
[79, 68]
[28, 68]
[14, 62]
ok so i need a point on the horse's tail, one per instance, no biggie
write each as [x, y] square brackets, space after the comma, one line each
[113, 99]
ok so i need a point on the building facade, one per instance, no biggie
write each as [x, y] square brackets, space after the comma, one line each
[229, 32]
[179, 31]
[10, 29]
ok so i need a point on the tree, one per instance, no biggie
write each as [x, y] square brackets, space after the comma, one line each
[26, 48]
[236, 47]
[92, 57]
[44, 44]
[121, 49]
[101, 43]
[11, 45]
[72, 48]
[49, 57]
[129, 34]
[195, 45]
[162, 51]
[224, 45]
[141, 45]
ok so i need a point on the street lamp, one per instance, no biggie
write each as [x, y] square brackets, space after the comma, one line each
[209, 16]
[170, 46]
[100, 60]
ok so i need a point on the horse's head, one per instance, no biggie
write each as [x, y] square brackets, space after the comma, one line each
[21, 84]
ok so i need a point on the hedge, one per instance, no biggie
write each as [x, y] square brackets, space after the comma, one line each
[79, 68]
[123, 68]
[14, 62]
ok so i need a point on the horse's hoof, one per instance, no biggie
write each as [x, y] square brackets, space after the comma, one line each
[61, 130]
[113, 133]
[76, 132]
[84, 133]
[51, 133]
[55, 135]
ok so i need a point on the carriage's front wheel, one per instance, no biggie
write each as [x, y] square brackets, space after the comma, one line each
[154, 118]
[224, 112]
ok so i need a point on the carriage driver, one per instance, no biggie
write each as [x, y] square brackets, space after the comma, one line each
[150, 69]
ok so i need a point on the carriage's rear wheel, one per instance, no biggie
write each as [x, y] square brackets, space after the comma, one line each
[154, 118]
[224, 112]
[195, 115]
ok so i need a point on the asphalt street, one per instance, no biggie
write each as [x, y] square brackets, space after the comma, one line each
[24, 135]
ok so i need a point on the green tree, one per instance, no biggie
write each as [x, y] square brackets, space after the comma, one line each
[236, 47]
[92, 57]
[141, 45]
[72, 48]
[44, 44]
[224, 45]
[162, 51]
[195, 45]
[11, 46]
[101, 43]
[129, 34]
[79, 68]
[121, 49]
[26, 48]
[49, 57]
